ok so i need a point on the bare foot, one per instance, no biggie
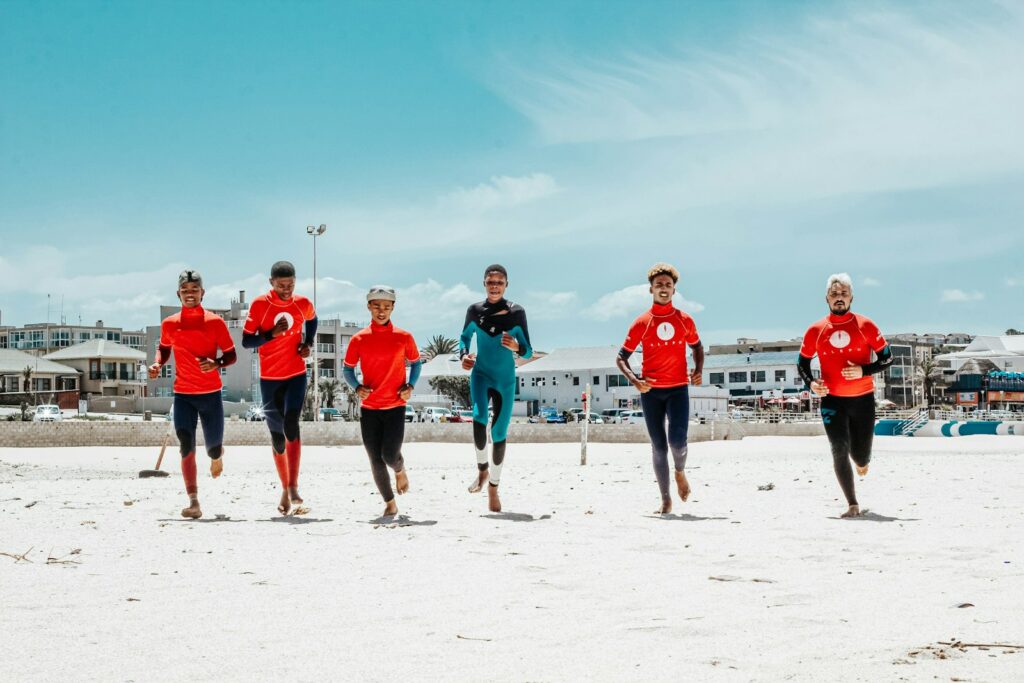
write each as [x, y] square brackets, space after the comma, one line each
[481, 479]
[862, 471]
[854, 511]
[401, 482]
[293, 493]
[286, 503]
[192, 511]
[683, 485]
[390, 508]
[493, 502]
[666, 507]
[216, 467]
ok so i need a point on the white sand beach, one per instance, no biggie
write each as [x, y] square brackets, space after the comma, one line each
[576, 580]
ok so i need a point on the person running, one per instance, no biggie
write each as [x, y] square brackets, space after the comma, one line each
[382, 350]
[193, 335]
[664, 332]
[500, 330]
[844, 342]
[282, 325]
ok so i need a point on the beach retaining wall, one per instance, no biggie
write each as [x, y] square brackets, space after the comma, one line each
[72, 433]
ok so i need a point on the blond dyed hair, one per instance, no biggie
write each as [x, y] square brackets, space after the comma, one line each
[662, 269]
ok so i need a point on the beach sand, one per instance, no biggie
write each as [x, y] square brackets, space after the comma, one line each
[575, 580]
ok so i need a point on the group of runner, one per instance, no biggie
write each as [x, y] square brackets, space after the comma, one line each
[281, 327]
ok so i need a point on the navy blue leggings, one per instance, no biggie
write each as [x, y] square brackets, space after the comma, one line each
[282, 407]
[188, 410]
[670, 405]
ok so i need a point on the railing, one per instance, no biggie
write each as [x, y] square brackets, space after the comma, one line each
[325, 348]
[94, 374]
[978, 416]
[909, 427]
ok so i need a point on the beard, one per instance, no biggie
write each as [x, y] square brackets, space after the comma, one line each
[840, 309]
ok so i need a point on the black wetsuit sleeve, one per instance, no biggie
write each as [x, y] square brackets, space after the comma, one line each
[163, 354]
[624, 353]
[803, 368]
[227, 359]
[254, 341]
[466, 337]
[883, 361]
[309, 330]
[528, 351]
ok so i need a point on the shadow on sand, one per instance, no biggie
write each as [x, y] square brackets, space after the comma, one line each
[515, 517]
[868, 516]
[292, 519]
[203, 520]
[400, 520]
[673, 517]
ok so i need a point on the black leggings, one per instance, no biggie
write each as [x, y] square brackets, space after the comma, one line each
[383, 431]
[667, 407]
[850, 426]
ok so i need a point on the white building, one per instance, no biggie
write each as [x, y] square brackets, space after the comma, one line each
[1005, 351]
[560, 378]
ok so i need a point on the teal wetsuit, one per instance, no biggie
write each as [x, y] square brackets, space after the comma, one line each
[493, 379]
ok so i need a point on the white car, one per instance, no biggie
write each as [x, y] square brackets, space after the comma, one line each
[632, 417]
[436, 415]
[47, 413]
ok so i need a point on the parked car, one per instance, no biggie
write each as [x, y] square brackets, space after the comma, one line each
[548, 414]
[330, 414]
[632, 417]
[461, 416]
[613, 415]
[410, 413]
[47, 413]
[594, 419]
[253, 414]
[741, 414]
[434, 414]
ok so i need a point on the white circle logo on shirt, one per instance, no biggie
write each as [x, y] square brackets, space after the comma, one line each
[840, 339]
[666, 331]
[287, 317]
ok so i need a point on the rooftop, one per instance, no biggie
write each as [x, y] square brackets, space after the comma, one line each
[13, 362]
[98, 348]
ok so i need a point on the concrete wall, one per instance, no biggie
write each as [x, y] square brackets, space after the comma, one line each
[237, 433]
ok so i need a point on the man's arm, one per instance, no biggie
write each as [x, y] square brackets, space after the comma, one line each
[697, 376]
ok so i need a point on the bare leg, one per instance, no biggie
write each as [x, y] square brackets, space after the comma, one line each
[493, 501]
[862, 471]
[216, 467]
[390, 508]
[478, 485]
[192, 511]
[285, 506]
[401, 482]
[666, 507]
[293, 493]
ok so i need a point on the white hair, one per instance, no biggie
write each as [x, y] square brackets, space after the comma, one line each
[839, 278]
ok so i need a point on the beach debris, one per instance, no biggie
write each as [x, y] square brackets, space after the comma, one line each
[945, 649]
[963, 605]
[134, 600]
[23, 557]
[52, 559]
[129, 503]
[483, 640]
[729, 577]
[31, 504]
[766, 487]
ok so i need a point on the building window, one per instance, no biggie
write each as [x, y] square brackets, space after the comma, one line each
[616, 381]
[780, 375]
[716, 378]
[575, 381]
[167, 371]
[757, 375]
[737, 377]
[597, 380]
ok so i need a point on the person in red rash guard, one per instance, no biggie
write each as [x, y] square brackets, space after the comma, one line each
[282, 325]
[193, 335]
[850, 349]
[382, 351]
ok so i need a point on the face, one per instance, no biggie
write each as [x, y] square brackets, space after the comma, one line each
[380, 310]
[495, 284]
[839, 298]
[190, 294]
[663, 287]
[284, 287]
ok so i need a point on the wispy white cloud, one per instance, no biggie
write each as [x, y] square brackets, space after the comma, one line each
[960, 296]
[501, 192]
[631, 301]
[870, 282]
[1014, 282]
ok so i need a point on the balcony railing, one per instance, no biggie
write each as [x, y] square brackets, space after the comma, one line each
[325, 348]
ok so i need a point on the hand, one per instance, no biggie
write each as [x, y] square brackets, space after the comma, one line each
[853, 371]
[154, 371]
[207, 364]
[469, 361]
[509, 342]
[642, 385]
[304, 350]
[405, 391]
[279, 328]
[819, 387]
[695, 378]
[363, 391]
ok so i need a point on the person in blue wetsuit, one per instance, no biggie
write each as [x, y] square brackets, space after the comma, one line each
[500, 329]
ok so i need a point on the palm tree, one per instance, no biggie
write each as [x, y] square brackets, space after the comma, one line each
[329, 388]
[438, 345]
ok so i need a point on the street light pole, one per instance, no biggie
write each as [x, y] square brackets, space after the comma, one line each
[315, 231]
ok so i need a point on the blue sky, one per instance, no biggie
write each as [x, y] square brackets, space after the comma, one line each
[759, 146]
